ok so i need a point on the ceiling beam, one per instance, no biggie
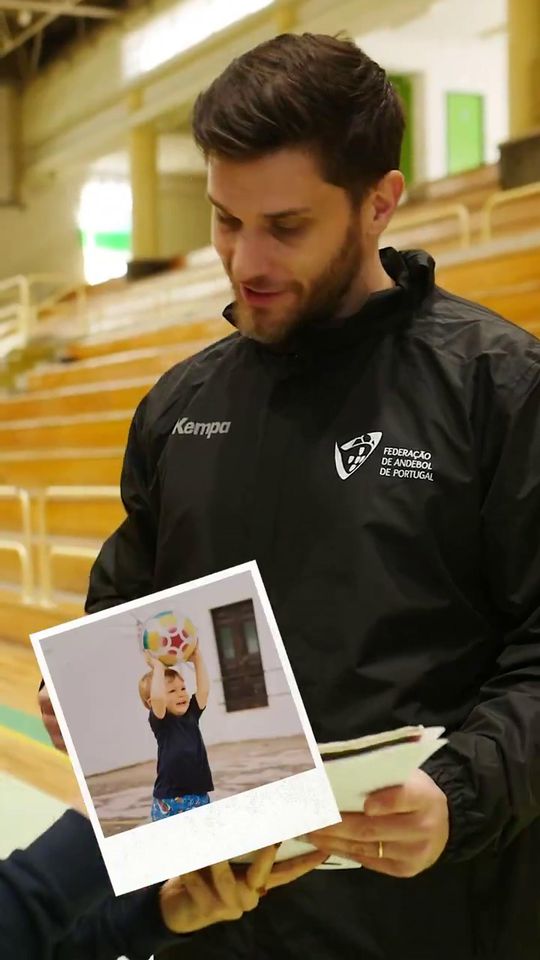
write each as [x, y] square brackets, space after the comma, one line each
[30, 31]
[60, 9]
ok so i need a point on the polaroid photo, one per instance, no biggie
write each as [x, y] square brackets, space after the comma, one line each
[185, 728]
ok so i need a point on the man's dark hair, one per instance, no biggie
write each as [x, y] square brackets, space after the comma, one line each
[307, 91]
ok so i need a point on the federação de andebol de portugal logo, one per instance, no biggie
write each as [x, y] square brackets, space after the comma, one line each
[402, 462]
[351, 455]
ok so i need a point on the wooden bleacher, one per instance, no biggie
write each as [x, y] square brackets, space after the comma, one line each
[507, 282]
[69, 426]
[35, 470]
[470, 191]
[68, 429]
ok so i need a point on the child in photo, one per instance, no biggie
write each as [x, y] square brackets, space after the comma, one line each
[183, 773]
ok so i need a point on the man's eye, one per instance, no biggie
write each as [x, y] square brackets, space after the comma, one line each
[228, 222]
[287, 230]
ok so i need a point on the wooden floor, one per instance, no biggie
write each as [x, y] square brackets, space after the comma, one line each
[25, 752]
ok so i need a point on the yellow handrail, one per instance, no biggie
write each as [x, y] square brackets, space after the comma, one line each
[81, 492]
[47, 550]
[26, 566]
[24, 547]
[418, 218]
[502, 198]
[63, 550]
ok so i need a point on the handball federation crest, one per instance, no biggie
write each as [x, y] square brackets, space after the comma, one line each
[352, 454]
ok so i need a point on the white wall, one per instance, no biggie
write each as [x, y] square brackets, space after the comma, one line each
[42, 236]
[96, 668]
[439, 68]
[446, 45]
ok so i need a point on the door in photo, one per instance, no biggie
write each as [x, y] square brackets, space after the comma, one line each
[239, 653]
[464, 131]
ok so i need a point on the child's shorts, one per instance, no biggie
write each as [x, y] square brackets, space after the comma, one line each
[171, 806]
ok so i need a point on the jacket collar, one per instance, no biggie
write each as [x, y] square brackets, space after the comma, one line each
[413, 272]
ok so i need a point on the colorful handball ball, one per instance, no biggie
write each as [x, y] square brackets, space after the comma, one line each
[171, 638]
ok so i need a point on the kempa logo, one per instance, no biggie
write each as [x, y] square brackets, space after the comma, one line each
[205, 429]
[351, 455]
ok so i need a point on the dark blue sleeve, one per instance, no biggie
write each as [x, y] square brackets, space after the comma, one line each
[128, 926]
[57, 903]
[43, 888]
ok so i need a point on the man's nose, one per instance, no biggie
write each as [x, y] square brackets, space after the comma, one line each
[250, 263]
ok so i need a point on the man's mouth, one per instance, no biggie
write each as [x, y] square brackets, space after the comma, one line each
[259, 298]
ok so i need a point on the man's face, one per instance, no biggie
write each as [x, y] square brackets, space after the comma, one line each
[176, 695]
[290, 242]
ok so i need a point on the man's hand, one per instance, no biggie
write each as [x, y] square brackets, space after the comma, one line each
[49, 719]
[223, 892]
[410, 821]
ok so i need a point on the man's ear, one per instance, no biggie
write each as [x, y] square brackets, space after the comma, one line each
[382, 202]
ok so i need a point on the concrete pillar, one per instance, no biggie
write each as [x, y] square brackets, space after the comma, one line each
[523, 18]
[184, 214]
[144, 188]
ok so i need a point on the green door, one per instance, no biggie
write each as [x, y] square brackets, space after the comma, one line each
[403, 86]
[464, 131]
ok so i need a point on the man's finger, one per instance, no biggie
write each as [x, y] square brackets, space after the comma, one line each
[359, 827]
[49, 719]
[258, 872]
[391, 868]
[368, 850]
[199, 891]
[52, 728]
[288, 870]
[405, 799]
[249, 897]
[225, 885]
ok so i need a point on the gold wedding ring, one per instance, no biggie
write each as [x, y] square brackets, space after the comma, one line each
[381, 850]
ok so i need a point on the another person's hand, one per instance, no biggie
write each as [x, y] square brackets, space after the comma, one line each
[49, 719]
[223, 892]
[408, 825]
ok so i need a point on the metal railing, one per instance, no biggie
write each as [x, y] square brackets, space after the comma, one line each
[26, 300]
[504, 198]
[16, 316]
[36, 586]
[23, 548]
[48, 550]
[418, 218]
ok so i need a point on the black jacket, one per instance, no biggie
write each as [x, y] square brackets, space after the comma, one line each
[384, 473]
[56, 902]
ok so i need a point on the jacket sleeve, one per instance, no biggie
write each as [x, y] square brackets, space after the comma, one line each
[43, 888]
[124, 568]
[129, 926]
[57, 903]
[490, 769]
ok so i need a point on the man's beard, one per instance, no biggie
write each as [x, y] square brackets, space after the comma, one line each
[318, 305]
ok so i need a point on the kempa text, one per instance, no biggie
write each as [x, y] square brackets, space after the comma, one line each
[205, 429]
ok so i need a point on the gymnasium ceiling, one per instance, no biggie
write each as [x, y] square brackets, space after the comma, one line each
[35, 32]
